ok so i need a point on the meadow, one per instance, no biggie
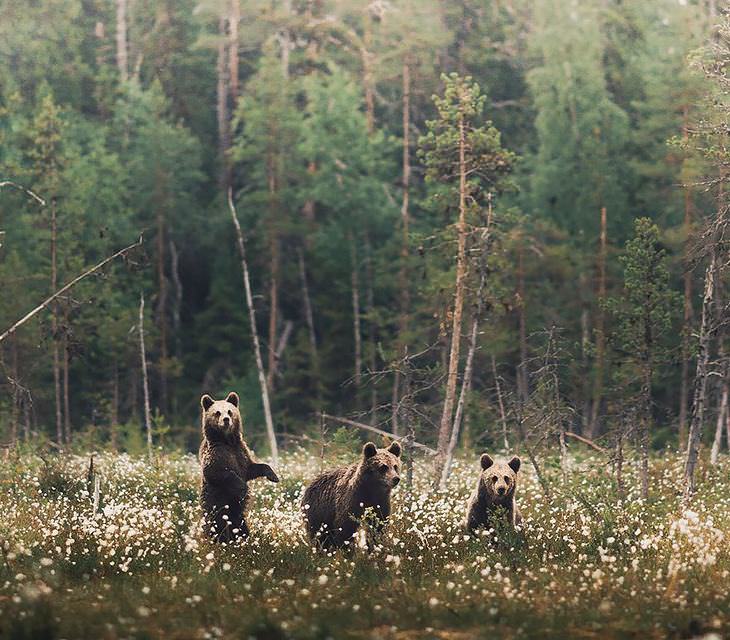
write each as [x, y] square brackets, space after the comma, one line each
[134, 565]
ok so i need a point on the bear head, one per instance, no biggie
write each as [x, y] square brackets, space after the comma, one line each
[382, 466]
[499, 478]
[221, 418]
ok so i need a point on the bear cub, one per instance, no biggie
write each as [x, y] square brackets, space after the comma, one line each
[335, 501]
[496, 488]
[227, 465]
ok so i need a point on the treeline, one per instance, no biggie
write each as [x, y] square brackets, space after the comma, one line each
[548, 209]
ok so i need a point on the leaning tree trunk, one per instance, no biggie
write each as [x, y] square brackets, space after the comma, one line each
[254, 333]
[700, 383]
[449, 397]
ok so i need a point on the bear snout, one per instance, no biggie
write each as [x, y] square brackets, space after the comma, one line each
[501, 491]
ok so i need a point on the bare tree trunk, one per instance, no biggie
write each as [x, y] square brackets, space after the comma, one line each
[645, 426]
[405, 302]
[700, 383]
[585, 342]
[254, 333]
[620, 465]
[121, 37]
[15, 419]
[66, 393]
[372, 325]
[162, 307]
[114, 426]
[522, 381]
[688, 310]
[600, 332]
[273, 268]
[27, 401]
[723, 372]
[502, 414]
[446, 416]
[178, 294]
[721, 419]
[308, 314]
[224, 132]
[355, 283]
[465, 388]
[234, 19]
[54, 325]
[145, 382]
[469, 367]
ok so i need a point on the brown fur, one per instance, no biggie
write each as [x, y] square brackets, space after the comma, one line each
[335, 501]
[227, 465]
[496, 488]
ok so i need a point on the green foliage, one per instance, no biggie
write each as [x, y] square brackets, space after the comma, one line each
[647, 306]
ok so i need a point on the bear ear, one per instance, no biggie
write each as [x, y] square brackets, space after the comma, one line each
[206, 402]
[369, 450]
[486, 461]
[514, 464]
[232, 398]
[394, 448]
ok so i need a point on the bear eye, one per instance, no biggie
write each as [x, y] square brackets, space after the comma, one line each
[506, 479]
[230, 413]
[383, 468]
[217, 414]
[494, 478]
[396, 467]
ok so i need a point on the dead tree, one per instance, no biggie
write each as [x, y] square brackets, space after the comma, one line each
[254, 332]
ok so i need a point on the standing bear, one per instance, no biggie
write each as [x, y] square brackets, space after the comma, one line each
[496, 488]
[227, 465]
[335, 501]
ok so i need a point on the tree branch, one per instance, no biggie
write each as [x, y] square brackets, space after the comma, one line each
[62, 290]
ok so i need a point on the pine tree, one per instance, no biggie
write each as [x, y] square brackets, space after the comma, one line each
[466, 155]
[643, 315]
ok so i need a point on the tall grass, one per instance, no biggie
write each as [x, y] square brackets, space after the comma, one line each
[583, 565]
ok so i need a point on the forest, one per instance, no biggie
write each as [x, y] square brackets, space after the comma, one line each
[325, 120]
[464, 225]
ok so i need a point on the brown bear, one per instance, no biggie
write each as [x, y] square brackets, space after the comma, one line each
[496, 488]
[335, 501]
[227, 465]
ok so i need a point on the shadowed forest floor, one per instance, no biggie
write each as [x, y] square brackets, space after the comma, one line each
[584, 565]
